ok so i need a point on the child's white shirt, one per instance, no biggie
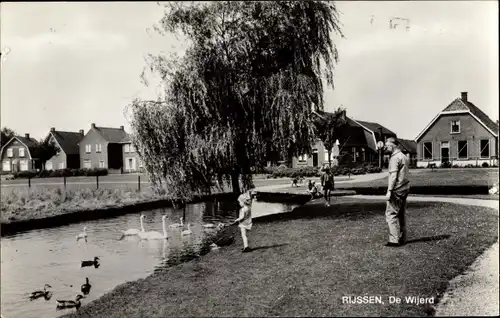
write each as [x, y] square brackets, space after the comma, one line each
[245, 217]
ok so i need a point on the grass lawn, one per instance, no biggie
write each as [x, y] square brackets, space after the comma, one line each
[438, 177]
[305, 261]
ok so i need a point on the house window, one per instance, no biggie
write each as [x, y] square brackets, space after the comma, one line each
[354, 154]
[462, 149]
[132, 149]
[88, 148]
[98, 147]
[127, 148]
[455, 126]
[87, 164]
[9, 153]
[485, 148]
[21, 152]
[6, 165]
[363, 154]
[61, 165]
[303, 158]
[48, 165]
[427, 150]
[140, 163]
[101, 164]
[326, 155]
[23, 165]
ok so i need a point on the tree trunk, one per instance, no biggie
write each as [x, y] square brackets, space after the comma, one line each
[330, 158]
[235, 181]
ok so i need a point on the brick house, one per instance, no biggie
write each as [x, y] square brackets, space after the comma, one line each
[461, 134]
[409, 148]
[69, 154]
[131, 160]
[101, 148]
[359, 141]
[20, 154]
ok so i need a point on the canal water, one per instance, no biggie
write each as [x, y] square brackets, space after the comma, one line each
[52, 256]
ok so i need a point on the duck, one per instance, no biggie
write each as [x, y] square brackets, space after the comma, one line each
[82, 235]
[41, 293]
[153, 235]
[188, 231]
[86, 287]
[62, 304]
[94, 263]
[176, 225]
[131, 232]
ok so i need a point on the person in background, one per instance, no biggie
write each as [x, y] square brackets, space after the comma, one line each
[397, 193]
[313, 190]
[245, 218]
[327, 185]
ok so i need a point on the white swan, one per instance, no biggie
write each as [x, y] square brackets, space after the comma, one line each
[153, 235]
[82, 235]
[188, 231]
[131, 232]
[178, 224]
[209, 225]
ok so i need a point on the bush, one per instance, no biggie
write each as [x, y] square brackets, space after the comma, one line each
[24, 174]
[485, 165]
[446, 164]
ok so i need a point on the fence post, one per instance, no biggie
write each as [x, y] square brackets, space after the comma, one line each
[139, 182]
[29, 182]
[97, 179]
[64, 182]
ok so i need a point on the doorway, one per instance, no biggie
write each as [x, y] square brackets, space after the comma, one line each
[445, 151]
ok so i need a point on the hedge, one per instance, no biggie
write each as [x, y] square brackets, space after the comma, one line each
[285, 172]
[61, 173]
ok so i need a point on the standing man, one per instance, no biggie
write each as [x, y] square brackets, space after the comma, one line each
[327, 185]
[397, 193]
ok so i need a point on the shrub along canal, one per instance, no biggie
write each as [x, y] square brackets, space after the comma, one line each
[53, 256]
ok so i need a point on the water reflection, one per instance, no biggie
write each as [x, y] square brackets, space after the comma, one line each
[54, 257]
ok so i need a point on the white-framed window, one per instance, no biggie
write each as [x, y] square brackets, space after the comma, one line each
[88, 148]
[140, 163]
[462, 149]
[101, 164]
[132, 149]
[48, 165]
[127, 148]
[6, 165]
[21, 153]
[326, 154]
[484, 145]
[10, 153]
[98, 148]
[427, 150]
[303, 158]
[23, 165]
[455, 127]
[61, 165]
[87, 164]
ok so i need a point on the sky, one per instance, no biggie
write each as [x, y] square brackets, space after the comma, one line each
[73, 64]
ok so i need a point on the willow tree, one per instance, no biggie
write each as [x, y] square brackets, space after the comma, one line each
[331, 127]
[247, 87]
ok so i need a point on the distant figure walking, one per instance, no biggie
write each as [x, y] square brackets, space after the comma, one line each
[327, 185]
[397, 193]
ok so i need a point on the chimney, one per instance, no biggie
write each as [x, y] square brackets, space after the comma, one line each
[464, 96]
[52, 129]
[122, 128]
[81, 132]
[27, 136]
[92, 125]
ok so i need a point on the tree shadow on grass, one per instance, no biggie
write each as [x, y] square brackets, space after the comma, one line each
[268, 246]
[429, 238]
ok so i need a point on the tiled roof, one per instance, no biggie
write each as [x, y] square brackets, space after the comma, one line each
[112, 135]
[408, 145]
[126, 140]
[482, 117]
[68, 141]
[376, 127]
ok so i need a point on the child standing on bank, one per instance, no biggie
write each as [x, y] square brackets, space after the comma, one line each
[245, 218]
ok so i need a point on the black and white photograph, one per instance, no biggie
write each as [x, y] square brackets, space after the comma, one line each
[249, 159]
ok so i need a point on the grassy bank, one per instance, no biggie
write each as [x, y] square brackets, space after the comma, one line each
[25, 204]
[307, 260]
